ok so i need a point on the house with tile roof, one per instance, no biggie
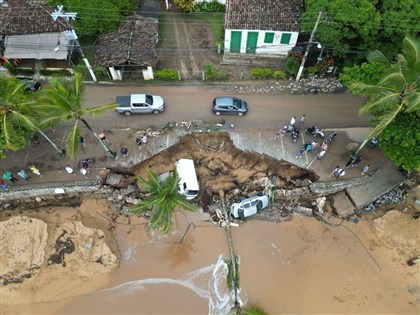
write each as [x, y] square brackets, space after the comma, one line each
[29, 36]
[261, 27]
[132, 48]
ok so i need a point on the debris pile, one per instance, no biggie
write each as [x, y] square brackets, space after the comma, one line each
[396, 196]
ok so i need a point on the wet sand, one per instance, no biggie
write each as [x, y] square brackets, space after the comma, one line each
[301, 266]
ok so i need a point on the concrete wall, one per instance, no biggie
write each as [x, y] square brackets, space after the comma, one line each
[263, 48]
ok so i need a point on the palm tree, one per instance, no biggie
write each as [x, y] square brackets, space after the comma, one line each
[163, 199]
[62, 101]
[397, 92]
[18, 120]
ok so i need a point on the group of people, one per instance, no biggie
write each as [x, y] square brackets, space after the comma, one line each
[8, 176]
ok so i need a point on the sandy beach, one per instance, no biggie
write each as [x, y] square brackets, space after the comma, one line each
[302, 266]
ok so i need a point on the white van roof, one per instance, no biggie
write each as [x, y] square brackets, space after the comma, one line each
[186, 171]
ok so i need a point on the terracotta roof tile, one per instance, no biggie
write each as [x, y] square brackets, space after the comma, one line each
[276, 15]
[27, 17]
[133, 43]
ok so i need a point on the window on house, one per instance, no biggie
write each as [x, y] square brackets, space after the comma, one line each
[269, 37]
[285, 38]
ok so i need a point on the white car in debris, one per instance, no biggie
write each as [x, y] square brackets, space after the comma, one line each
[249, 206]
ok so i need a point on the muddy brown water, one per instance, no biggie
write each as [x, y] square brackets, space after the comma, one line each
[299, 266]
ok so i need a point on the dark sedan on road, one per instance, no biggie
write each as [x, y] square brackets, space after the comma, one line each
[229, 105]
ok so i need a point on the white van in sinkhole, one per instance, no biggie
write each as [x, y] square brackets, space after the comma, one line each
[188, 183]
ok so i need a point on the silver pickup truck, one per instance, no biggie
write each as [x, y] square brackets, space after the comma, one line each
[140, 104]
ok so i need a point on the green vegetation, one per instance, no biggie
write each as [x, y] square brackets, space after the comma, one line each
[215, 75]
[362, 25]
[63, 101]
[292, 65]
[261, 73]
[368, 73]
[97, 16]
[254, 310]
[400, 141]
[279, 74]
[167, 75]
[18, 119]
[212, 6]
[232, 277]
[163, 199]
[396, 93]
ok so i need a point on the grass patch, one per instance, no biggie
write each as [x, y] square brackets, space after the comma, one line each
[216, 21]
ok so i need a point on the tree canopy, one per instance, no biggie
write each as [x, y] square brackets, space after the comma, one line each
[163, 199]
[400, 141]
[361, 25]
[395, 94]
[97, 16]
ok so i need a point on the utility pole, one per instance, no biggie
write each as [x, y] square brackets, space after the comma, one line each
[308, 47]
[67, 17]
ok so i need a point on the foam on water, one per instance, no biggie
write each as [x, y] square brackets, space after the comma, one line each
[208, 282]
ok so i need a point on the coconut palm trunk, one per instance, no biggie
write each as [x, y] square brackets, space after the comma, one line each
[62, 152]
[233, 257]
[102, 143]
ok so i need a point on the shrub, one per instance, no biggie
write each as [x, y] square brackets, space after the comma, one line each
[100, 73]
[167, 75]
[213, 6]
[292, 65]
[215, 75]
[81, 68]
[312, 70]
[185, 5]
[279, 74]
[261, 73]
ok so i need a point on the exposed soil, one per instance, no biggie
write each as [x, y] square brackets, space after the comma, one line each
[222, 167]
[189, 46]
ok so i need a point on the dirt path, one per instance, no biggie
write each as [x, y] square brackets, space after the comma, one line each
[187, 44]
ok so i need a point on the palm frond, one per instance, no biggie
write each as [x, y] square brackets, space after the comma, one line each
[411, 52]
[73, 140]
[377, 56]
[394, 80]
[384, 121]
[93, 111]
[8, 132]
[383, 103]
[412, 102]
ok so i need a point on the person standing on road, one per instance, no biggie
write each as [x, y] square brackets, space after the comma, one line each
[365, 169]
[340, 173]
[334, 171]
[82, 142]
[84, 172]
[9, 176]
[300, 153]
[3, 185]
[124, 152]
[302, 120]
[35, 170]
[103, 138]
[22, 173]
[320, 154]
[293, 120]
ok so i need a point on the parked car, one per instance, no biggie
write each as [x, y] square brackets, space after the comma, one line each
[140, 104]
[30, 84]
[249, 206]
[229, 105]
